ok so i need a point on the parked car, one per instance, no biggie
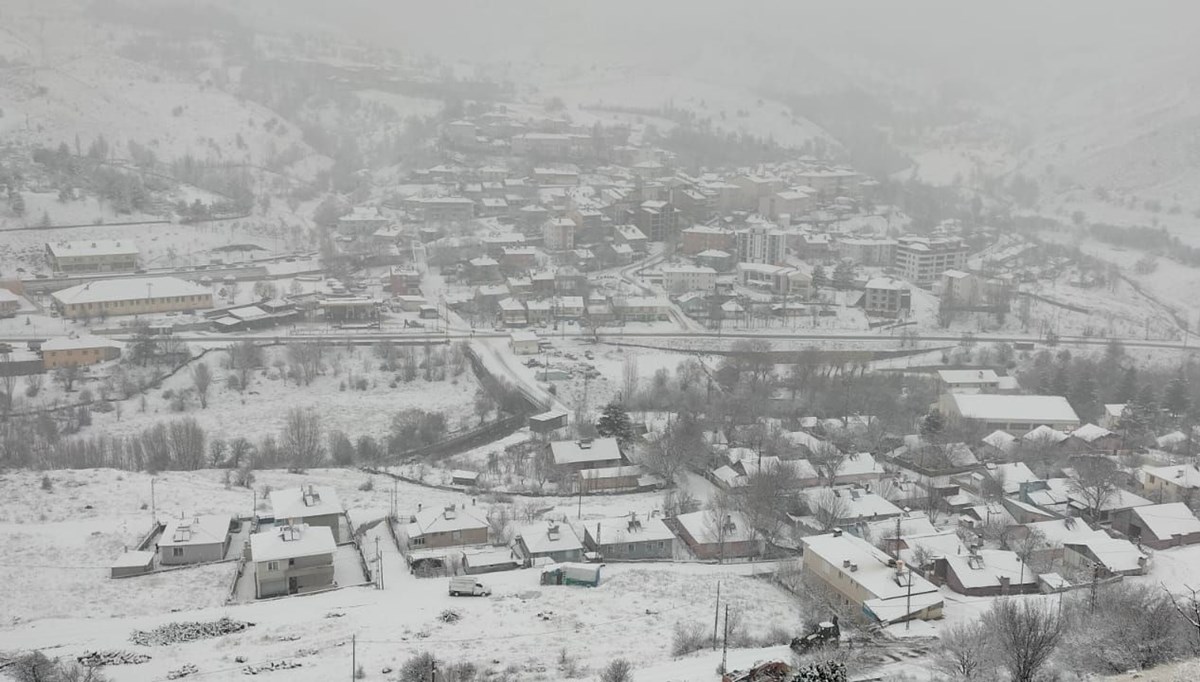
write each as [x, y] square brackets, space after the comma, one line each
[465, 585]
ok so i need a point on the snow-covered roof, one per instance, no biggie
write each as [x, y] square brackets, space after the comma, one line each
[1045, 434]
[935, 544]
[915, 523]
[888, 283]
[291, 542]
[1035, 409]
[1001, 440]
[133, 559]
[92, 247]
[702, 526]
[628, 529]
[986, 568]
[858, 464]
[1013, 474]
[967, 376]
[680, 269]
[524, 336]
[1182, 475]
[7, 296]
[855, 503]
[726, 474]
[544, 538]
[1114, 554]
[1167, 520]
[1060, 531]
[1170, 439]
[209, 529]
[1090, 433]
[443, 520]
[1114, 410]
[582, 451]
[1119, 499]
[303, 502]
[80, 342]
[873, 573]
[807, 440]
[128, 289]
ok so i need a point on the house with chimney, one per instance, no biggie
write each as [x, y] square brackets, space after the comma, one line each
[310, 505]
[550, 541]
[587, 453]
[1158, 526]
[194, 540]
[292, 559]
[986, 573]
[882, 589]
[1175, 483]
[448, 526]
[630, 537]
[711, 536]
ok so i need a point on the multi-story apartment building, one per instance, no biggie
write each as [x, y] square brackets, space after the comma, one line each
[922, 260]
[700, 238]
[887, 296]
[92, 256]
[680, 278]
[761, 244]
[868, 251]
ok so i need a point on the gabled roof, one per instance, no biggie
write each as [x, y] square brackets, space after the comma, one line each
[443, 520]
[1046, 434]
[582, 451]
[1090, 433]
[873, 573]
[1034, 409]
[986, 568]
[303, 502]
[1168, 520]
[291, 542]
[544, 538]
[703, 527]
[209, 529]
[1182, 475]
[1114, 554]
[624, 529]
[128, 289]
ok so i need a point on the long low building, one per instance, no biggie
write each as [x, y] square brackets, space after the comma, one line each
[1016, 414]
[79, 351]
[132, 296]
[92, 256]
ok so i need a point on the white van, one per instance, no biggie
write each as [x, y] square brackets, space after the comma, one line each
[468, 586]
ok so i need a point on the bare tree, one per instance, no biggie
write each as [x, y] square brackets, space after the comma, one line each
[8, 379]
[305, 358]
[718, 518]
[1189, 608]
[1095, 482]
[185, 438]
[1027, 634]
[767, 498]
[629, 383]
[245, 356]
[827, 459]
[33, 384]
[67, 376]
[202, 379]
[1026, 546]
[965, 651]
[500, 524]
[828, 507]
[301, 439]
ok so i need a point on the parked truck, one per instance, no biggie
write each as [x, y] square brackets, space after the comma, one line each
[469, 586]
[587, 575]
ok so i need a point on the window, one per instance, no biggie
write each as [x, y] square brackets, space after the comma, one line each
[418, 541]
[272, 565]
[291, 562]
[176, 551]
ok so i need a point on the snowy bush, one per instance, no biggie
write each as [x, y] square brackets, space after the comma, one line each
[688, 637]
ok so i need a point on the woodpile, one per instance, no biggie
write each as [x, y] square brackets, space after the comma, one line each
[95, 659]
[174, 633]
[269, 667]
[186, 670]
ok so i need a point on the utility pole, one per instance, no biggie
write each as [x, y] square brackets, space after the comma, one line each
[725, 642]
[908, 601]
[378, 566]
[716, 616]
[1095, 585]
[353, 656]
[153, 507]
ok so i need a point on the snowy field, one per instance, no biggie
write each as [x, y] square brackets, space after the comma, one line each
[263, 408]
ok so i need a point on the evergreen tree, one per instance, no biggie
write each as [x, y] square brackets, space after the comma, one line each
[1176, 399]
[1060, 384]
[614, 423]
[1083, 395]
[819, 278]
[932, 425]
[16, 202]
[843, 274]
[1128, 386]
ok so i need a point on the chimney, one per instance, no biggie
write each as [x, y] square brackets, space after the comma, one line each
[853, 568]
[837, 532]
[845, 563]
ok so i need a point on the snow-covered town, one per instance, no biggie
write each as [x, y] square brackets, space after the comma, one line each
[494, 346]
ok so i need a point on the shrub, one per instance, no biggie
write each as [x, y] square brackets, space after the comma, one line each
[367, 485]
[618, 670]
[47, 484]
[688, 637]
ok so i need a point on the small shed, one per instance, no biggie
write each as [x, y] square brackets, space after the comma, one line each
[524, 343]
[132, 563]
[464, 477]
[587, 575]
[546, 422]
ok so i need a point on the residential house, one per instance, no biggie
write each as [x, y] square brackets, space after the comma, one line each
[132, 296]
[631, 235]
[404, 281]
[1120, 499]
[1112, 415]
[512, 312]
[721, 261]
[680, 278]
[987, 573]
[860, 468]
[887, 297]
[558, 234]
[92, 256]
[642, 308]
[587, 453]
[709, 535]
[1093, 438]
[1017, 414]
[524, 343]
[629, 537]
[850, 508]
[10, 303]
[362, 221]
[310, 505]
[968, 380]
[292, 559]
[1055, 534]
[1158, 526]
[1106, 556]
[552, 541]
[79, 351]
[194, 540]
[998, 445]
[448, 526]
[605, 479]
[132, 563]
[864, 577]
[1175, 483]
